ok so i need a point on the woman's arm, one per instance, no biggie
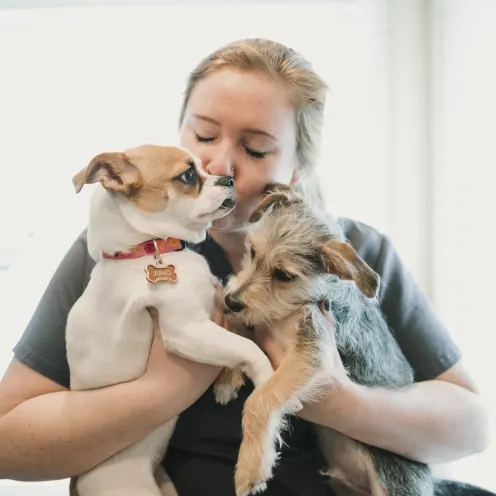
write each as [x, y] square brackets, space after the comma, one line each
[432, 421]
[48, 432]
[440, 417]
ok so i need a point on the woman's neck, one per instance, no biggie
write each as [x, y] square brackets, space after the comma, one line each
[233, 244]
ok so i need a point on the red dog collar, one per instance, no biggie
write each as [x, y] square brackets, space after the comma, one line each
[151, 247]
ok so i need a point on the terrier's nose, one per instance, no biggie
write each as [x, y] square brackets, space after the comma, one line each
[233, 305]
[226, 181]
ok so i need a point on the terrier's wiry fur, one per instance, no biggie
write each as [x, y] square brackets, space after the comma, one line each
[297, 258]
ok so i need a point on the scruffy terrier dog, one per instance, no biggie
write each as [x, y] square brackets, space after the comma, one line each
[297, 258]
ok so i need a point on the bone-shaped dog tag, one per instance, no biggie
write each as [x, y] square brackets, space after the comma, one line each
[161, 274]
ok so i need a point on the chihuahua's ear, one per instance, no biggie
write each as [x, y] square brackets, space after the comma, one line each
[274, 195]
[114, 171]
[343, 261]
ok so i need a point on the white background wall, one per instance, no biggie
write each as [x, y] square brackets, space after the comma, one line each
[408, 144]
[463, 119]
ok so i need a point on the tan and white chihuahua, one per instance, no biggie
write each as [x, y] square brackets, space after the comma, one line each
[154, 201]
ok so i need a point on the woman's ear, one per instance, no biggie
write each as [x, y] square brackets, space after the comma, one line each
[294, 178]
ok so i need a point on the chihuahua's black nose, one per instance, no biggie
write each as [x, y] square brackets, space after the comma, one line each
[227, 181]
[234, 305]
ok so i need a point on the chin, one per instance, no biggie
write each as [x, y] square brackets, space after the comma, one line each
[225, 223]
[252, 319]
[214, 216]
[232, 223]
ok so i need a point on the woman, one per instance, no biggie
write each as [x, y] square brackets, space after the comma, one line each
[252, 110]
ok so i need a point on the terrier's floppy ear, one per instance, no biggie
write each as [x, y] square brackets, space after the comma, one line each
[274, 195]
[113, 170]
[342, 260]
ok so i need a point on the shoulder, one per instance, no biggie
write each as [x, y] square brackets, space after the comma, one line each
[80, 246]
[377, 250]
[42, 345]
[422, 337]
[78, 259]
[367, 241]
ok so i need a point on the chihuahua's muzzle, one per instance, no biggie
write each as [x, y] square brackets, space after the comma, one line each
[228, 182]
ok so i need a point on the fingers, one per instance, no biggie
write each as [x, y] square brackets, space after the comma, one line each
[269, 345]
[156, 327]
[325, 308]
[158, 342]
[157, 348]
[218, 313]
[226, 324]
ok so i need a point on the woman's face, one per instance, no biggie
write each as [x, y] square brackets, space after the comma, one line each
[242, 124]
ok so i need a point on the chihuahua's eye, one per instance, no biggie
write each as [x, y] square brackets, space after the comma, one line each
[252, 253]
[189, 177]
[282, 275]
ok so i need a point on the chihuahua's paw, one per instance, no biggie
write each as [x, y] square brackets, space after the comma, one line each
[224, 393]
[227, 385]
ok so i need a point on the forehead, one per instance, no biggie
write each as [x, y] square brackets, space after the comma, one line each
[160, 161]
[295, 253]
[277, 241]
[293, 231]
[243, 99]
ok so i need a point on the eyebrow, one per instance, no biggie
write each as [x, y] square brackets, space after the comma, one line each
[248, 130]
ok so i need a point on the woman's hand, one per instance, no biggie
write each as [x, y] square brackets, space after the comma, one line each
[276, 353]
[339, 380]
[168, 372]
[427, 422]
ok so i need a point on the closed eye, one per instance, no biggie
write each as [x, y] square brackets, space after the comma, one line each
[282, 275]
[254, 154]
[202, 139]
[249, 151]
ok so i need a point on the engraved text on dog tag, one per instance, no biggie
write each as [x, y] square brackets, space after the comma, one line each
[160, 274]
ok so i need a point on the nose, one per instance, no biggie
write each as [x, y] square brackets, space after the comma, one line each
[226, 181]
[233, 305]
[220, 163]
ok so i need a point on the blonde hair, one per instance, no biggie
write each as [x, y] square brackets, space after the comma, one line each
[306, 88]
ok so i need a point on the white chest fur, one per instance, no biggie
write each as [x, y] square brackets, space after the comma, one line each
[109, 329]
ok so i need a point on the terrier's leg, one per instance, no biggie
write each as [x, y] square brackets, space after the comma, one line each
[264, 409]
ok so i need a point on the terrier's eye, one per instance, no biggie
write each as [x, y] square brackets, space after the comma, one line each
[252, 253]
[282, 275]
[188, 177]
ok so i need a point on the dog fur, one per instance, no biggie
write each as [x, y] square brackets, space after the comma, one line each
[148, 192]
[296, 259]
